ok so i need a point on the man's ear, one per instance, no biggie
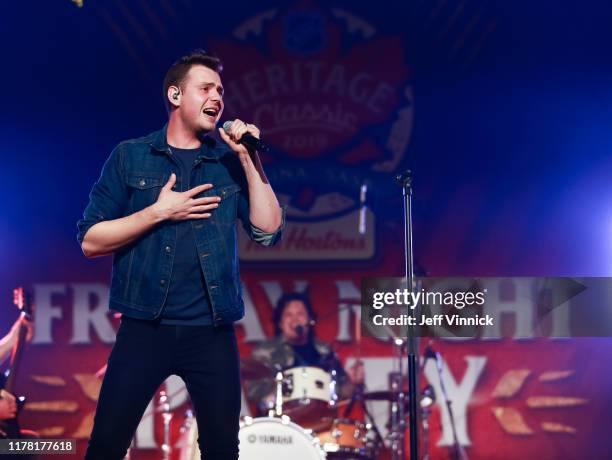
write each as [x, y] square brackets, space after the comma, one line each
[174, 96]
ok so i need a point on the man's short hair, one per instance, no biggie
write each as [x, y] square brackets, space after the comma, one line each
[178, 71]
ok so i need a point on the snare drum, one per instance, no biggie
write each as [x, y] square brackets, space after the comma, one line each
[263, 438]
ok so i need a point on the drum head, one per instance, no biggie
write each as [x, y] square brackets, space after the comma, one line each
[274, 439]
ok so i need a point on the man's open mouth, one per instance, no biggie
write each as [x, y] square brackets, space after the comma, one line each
[211, 112]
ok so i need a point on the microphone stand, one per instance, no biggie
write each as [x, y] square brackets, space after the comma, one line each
[405, 180]
[458, 451]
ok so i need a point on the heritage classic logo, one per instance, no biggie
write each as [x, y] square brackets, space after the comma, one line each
[332, 97]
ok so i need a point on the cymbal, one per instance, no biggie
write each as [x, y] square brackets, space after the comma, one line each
[251, 369]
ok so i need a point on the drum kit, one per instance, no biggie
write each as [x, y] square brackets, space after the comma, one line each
[304, 421]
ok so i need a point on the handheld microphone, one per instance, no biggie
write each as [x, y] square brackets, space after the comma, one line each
[247, 139]
[299, 330]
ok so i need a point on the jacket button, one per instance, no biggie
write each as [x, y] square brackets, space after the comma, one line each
[168, 249]
[142, 182]
[162, 282]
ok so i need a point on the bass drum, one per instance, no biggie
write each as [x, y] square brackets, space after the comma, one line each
[262, 438]
[277, 439]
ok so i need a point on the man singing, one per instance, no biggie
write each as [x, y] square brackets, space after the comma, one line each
[165, 206]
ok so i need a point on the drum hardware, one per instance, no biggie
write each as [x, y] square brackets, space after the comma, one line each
[186, 425]
[428, 398]
[188, 441]
[333, 392]
[457, 452]
[397, 424]
[164, 406]
[362, 447]
[279, 394]
[347, 438]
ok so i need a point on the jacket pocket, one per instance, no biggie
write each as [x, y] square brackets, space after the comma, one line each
[144, 188]
[227, 211]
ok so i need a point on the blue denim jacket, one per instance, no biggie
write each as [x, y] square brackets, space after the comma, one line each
[131, 180]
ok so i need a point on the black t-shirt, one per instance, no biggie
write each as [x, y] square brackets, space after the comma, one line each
[187, 302]
[307, 355]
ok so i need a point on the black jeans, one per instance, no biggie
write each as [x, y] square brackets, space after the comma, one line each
[144, 355]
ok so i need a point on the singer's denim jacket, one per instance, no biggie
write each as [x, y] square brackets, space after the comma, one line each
[130, 181]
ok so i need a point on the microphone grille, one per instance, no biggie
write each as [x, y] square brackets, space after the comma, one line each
[227, 125]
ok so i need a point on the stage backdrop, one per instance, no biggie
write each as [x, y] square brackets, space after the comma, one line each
[500, 116]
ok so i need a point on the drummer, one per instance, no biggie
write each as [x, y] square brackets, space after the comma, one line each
[294, 345]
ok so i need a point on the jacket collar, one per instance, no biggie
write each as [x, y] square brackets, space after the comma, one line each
[211, 148]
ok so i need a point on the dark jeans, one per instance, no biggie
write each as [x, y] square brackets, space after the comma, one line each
[144, 355]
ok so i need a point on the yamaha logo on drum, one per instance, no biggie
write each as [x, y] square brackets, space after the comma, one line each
[271, 439]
